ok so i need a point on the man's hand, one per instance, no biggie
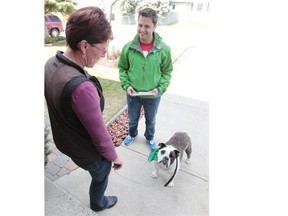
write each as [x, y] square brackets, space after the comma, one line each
[131, 91]
[154, 92]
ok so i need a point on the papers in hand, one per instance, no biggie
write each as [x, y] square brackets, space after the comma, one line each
[143, 94]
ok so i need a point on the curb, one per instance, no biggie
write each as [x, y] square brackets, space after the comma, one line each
[116, 116]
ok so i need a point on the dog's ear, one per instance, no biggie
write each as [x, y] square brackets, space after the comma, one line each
[174, 154]
[161, 145]
[177, 153]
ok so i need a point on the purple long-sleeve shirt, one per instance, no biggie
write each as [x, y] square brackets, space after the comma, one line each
[86, 104]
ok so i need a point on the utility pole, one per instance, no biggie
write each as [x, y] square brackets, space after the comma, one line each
[111, 4]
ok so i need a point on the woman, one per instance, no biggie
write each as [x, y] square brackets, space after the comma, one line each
[75, 102]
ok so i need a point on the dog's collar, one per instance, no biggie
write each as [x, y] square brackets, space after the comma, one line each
[153, 155]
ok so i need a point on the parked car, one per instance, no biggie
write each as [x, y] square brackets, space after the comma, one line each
[53, 24]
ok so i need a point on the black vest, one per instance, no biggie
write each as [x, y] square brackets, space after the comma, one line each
[69, 135]
[73, 83]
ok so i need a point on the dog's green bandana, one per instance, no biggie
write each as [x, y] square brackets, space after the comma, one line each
[153, 155]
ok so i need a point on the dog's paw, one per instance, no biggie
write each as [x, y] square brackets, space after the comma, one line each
[154, 175]
[171, 184]
[188, 161]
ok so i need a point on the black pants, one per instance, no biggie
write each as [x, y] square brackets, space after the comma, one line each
[99, 171]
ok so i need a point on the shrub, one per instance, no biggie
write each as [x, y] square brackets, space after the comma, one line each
[49, 40]
[46, 141]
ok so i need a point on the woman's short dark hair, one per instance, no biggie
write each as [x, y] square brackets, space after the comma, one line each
[88, 23]
[149, 12]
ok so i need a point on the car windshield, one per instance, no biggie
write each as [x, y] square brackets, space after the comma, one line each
[54, 19]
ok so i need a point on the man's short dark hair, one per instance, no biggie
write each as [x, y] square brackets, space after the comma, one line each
[149, 12]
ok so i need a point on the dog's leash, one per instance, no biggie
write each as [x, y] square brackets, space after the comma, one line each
[173, 174]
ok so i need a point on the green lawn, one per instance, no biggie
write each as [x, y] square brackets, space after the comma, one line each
[115, 98]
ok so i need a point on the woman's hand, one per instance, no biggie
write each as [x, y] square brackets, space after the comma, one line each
[117, 164]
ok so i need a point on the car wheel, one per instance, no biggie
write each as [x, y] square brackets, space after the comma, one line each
[54, 33]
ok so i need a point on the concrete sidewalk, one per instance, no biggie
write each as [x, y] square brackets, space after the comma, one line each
[138, 193]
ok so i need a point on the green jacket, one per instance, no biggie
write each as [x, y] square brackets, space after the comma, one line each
[145, 74]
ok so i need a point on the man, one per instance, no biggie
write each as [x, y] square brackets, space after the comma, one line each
[145, 68]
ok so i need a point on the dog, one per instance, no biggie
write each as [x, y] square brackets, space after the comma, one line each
[170, 155]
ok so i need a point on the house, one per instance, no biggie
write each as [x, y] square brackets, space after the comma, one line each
[190, 8]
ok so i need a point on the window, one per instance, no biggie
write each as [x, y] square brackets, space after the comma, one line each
[54, 18]
[199, 7]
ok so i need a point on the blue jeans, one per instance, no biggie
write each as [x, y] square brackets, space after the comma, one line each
[99, 171]
[150, 106]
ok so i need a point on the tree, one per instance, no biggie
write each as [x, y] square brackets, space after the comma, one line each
[62, 6]
[111, 5]
[128, 7]
[161, 7]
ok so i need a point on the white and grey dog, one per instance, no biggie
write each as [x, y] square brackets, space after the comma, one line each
[170, 155]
